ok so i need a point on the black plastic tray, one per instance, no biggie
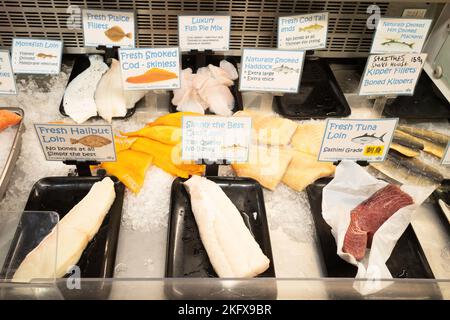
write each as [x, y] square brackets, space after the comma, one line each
[426, 103]
[407, 260]
[82, 63]
[189, 61]
[186, 256]
[61, 194]
[319, 95]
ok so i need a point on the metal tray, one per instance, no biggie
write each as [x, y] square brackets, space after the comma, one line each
[426, 103]
[61, 194]
[81, 63]
[6, 173]
[189, 61]
[407, 260]
[186, 256]
[319, 95]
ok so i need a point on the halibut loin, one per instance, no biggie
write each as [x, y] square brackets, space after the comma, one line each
[70, 237]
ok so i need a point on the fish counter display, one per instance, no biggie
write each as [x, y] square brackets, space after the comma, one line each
[166, 217]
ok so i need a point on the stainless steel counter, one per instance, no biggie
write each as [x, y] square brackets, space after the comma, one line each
[141, 253]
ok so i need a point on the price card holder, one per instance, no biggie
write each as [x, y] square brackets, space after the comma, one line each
[110, 52]
[83, 167]
[79, 145]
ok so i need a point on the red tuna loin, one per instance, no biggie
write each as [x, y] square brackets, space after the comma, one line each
[369, 215]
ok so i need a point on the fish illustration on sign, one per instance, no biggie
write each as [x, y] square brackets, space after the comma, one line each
[395, 41]
[311, 28]
[44, 55]
[234, 146]
[153, 75]
[116, 34]
[368, 138]
[93, 141]
[285, 69]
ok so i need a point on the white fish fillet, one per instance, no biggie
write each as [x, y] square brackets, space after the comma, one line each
[205, 89]
[191, 102]
[220, 75]
[229, 68]
[219, 99]
[111, 99]
[232, 250]
[185, 87]
[71, 236]
[79, 103]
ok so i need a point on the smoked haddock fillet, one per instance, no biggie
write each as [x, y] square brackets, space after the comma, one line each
[304, 169]
[232, 250]
[369, 215]
[74, 232]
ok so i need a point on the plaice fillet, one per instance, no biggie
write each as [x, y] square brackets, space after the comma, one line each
[74, 232]
[111, 99]
[79, 103]
[232, 250]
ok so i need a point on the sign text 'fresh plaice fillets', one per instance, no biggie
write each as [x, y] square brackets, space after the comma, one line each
[109, 28]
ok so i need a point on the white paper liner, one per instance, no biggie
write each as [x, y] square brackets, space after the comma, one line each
[351, 186]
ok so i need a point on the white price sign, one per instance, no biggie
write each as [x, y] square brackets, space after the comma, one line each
[357, 139]
[76, 142]
[214, 138]
[36, 56]
[7, 81]
[150, 69]
[110, 28]
[204, 32]
[388, 74]
[303, 32]
[400, 35]
[271, 70]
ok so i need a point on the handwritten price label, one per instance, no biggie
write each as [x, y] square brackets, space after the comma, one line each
[416, 59]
